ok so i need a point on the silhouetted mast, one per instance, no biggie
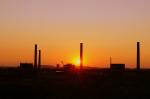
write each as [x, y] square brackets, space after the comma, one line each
[39, 62]
[110, 61]
[35, 56]
[138, 56]
[81, 55]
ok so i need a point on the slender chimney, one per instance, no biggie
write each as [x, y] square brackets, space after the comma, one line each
[110, 61]
[81, 55]
[39, 62]
[35, 56]
[138, 56]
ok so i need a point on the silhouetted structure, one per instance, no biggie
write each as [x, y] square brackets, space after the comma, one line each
[26, 65]
[57, 66]
[110, 61]
[39, 62]
[138, 56]
[81, 55]
[35, 56]
[117, 67]
[69, 67]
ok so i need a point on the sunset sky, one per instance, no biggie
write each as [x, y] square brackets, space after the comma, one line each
[106, 27]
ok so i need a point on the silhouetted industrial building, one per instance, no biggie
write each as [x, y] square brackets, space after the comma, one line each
[26, 65]
[81, 55]
[69, 67]
[57, 66]
[117, 67]
[138, 56]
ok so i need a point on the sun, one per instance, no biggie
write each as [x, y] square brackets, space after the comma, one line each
[76, 61]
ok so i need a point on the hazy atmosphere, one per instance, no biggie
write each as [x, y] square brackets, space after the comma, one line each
[106, 27]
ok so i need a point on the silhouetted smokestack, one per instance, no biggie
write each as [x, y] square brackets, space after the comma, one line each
[110, 61]
[81, 55]
[138, 56]
[39, 62]
[35, 56]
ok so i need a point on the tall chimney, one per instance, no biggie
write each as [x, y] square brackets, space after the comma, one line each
[81, 55]
[138, 56]
[39, 62]
[110, 61]
[35, 56]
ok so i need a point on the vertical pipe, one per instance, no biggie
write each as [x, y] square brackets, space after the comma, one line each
[81, 55]
[138, 56]
[35, 56]
[110, 61]
[39, 62]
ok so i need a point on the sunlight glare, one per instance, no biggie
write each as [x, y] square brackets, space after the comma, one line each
[76, 61]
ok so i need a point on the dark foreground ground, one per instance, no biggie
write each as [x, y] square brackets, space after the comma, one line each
[88, 84]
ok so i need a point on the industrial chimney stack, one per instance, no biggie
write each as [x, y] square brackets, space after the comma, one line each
[39, 62]
[81, 55]
[35, 56]
[138, 56]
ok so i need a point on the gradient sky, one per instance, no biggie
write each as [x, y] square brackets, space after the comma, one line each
[107, 28]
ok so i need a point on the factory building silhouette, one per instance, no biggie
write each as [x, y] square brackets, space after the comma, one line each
[116, 66]
[121, 67]
[37, 60]
[26, 66]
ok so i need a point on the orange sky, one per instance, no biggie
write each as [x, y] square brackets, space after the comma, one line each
[58, 26]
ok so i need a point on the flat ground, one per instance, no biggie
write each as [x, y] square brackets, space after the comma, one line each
[88, 84]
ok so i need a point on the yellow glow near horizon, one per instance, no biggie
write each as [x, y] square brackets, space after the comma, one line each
[76, 61]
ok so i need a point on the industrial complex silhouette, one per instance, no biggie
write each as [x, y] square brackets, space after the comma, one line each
[33, 80]
[37, 61]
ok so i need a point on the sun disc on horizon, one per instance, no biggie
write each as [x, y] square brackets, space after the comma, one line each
[76, 61]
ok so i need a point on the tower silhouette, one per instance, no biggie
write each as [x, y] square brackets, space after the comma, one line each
[138, 56]
[35, 56]
[110, 61]
[39, 62]
[81, 55]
